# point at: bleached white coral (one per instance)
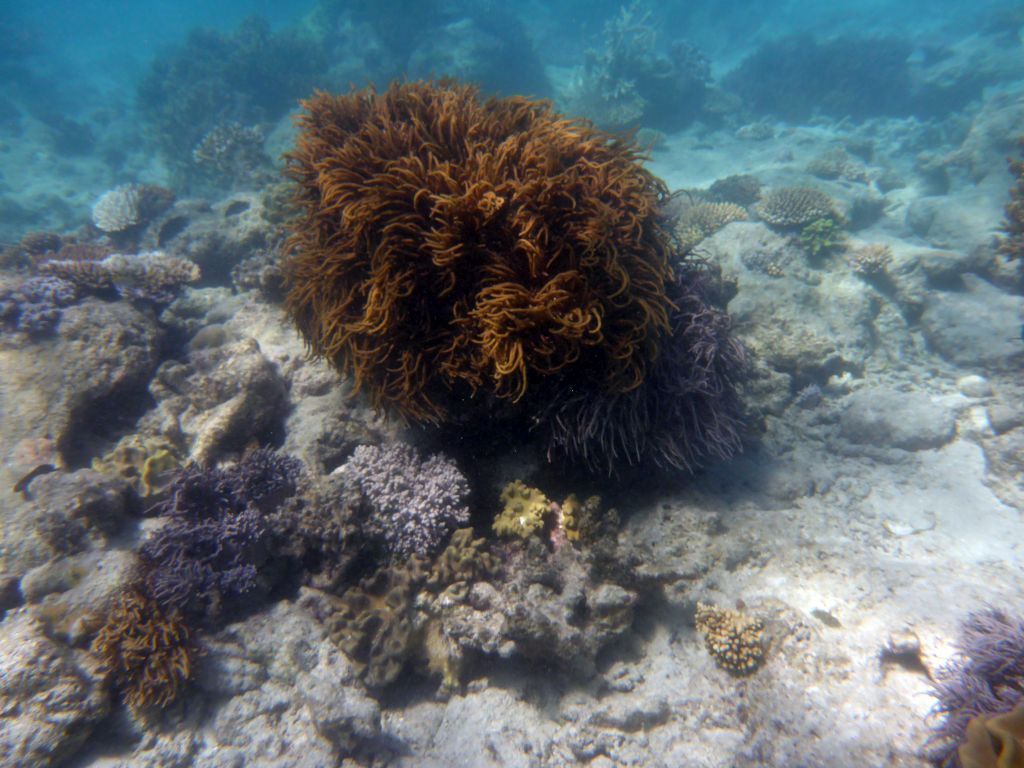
(117, 209)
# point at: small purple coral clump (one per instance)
(209, 557)
(35, 306)
(985, 678)
(415, 503)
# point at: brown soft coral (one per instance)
(149, 651)
(1012, 245)
(452, 247)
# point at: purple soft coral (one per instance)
(201, 566)
(210, 555)
(985, 678)
(415, 503)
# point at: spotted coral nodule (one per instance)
(464, 259)
(735, 642)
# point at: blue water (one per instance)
(75, 74)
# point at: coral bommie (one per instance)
(450, 247)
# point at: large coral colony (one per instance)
(468, 259)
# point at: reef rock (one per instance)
(324, 423)
(962, 223)
(65, 593)
(978, 327)
(1004, 466)
(279, 694)
(219, 400)
(808, 324)
(556, 611)
(65, 514)
(216, 237)
(51, 697)
(93, 370)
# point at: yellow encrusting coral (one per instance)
(735, 641)
(585, 522)
(525, 511)
(150, 652)
(148, 462)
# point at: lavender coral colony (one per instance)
(415, 504)
(35, 306)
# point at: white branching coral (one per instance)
(118, 209)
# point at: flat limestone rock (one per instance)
(977, 327)
(883, 417)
